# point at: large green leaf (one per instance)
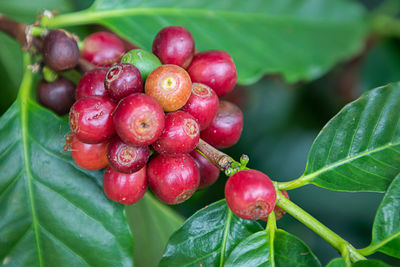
(288, 251)
(152, 224)
(386, 229)
(338, 262)
(52, 213)
(301, 39)
(359, 149)
(207, 237)
(370, 263)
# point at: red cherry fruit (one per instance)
(174, 45)
(89, 156)
(125, 188)
(126, 158)
(250, 195)
(90, 119)
(181, 134)
(102, 49)
(214, 68)
(170, 85)
(208, 172)
(91, 83)
(226, 128)
(123, 79)
(202, 104)
(139, 119)
(173, 179)
(279, 212)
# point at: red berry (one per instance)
(208, 172)
(89, 156)
(57, 96)
(60, 50)
(123, 187)
(126, 158)
(214, 68)
(226, 128)
(250, 195)
(123, 79)
(202, 104)
(173, 179)
(92, 83)
(90, 119)
(279, 212)
(181, 134)
(102, 49)
(170, 85)
(139, 119)
(174, 45)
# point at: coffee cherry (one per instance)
(202, 104)
(125, 188)
(139, 119)
(214, 68)
(250, 194)
(226, 128)
(123, 79)
(145, 61)
(60, 50)
(89, 156)
(174, 45)
(126, 158)
(90, 119)
(170, 85)
(181, 134)
(92, 83)
(279, 212)
(208, 172)
(173, 179)
(102, 49)
(57, 96)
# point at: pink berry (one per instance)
(89, 156)
(202, 104)
(181, 134)
(102, 49)
(125, 188)
(126, 158)
(139, 119)
(208, 172)
(91, 83)
(123, 79)
(174, 45)
(173, 179)
(250, 195)
(90, 119)
(226, 128)
(214, 68)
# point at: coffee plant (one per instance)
(118, 97)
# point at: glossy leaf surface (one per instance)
(52, 212)
(274, 36)
(359, 149)
(207, 237)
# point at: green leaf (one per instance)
(338, 262)
(52, 213)
(370, 263)
(359, 149)
(152, 224)
(288, 251)
(386, 229)
(207, 237)
(301, 39)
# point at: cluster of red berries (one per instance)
(141, 115)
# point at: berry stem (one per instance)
(219, 159)
(14, 29)
(341, 245)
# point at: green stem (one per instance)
(385, 25)
(304, 180)
(271, 228)
(341, 245)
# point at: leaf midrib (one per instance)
(23, 99)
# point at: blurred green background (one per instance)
(281, 121)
